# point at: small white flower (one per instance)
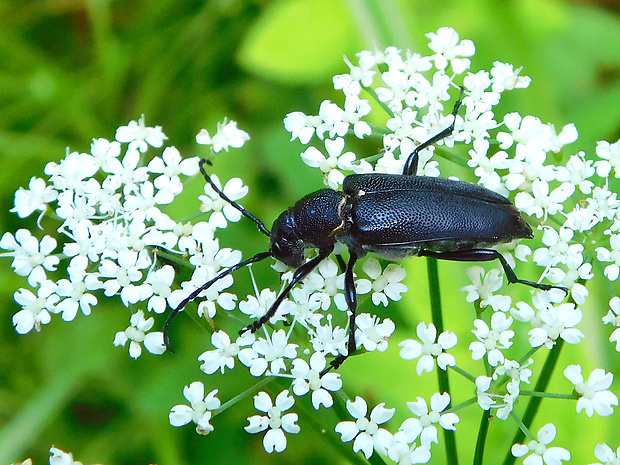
(577, 171)
(328, 339)
(36, 197)
(227, 135)
(429, 350)
(169, 167)
(308, 378)
(159, 284)
(28, 253)
(485, 398)
(539, 451)
(504, 77)
(140, 136)
(483, 289)
(222, 210)
(301, 126)
(518, 373)
(404, 452)
(606, 455)
(372, 334)
(595, 396)
(361, 75)
(559, 247)
(36, 309)
(424, 425)
(225, 352)
(491, 341)
(542, 202)
(137, 333)
(611, 255)
(610, 155)
(557, 322)
(74, 289)
(122, 273)
(366, 432)
(59, 457)
(486, 167)
(275, 422)
(257, 307)
(199, 411)
(268, 353)
(445, 43)
(333, 163)
(387, 283)
(613, 317)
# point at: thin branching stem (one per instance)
(482, 437)
(442, 375)
(534, 403)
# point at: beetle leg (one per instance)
(300, 273)
(411, 165)
(350, 296)
(341, 263)
(256, 258)
(486, 255)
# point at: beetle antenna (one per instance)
(411, 166)
(256, 258)
(261, 226)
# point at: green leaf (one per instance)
(299, 41)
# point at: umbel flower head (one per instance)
(111, 230)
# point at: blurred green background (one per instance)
(73, 70)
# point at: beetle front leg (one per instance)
(487, 255)
(350, 296)
(300, 273)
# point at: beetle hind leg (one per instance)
(487, 255)
(411, 165)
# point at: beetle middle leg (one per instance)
(350, 296)
(411, 165)
(487, 255)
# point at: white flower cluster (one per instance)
(111, 209)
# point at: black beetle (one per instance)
(393, 216)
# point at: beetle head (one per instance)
(286, 245)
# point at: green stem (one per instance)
(482, 437)
(463, 373)
(451, 156)
(248, 392)
(462, 405)
(442, 376)
(383, 105)
(534, 403)
(547, 395)
(524, 430)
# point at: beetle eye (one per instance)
(289, 253)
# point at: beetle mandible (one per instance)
(392, 216)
